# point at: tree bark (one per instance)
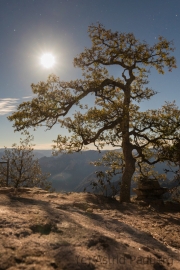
(125, 190)
(129, 170)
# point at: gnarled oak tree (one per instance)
(114, 119)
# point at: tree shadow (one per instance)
(79, 231)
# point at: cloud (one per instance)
(7, 105)
(27, 97)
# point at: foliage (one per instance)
(114, 163)
(172, 152)
(115, 119)
(24, 170)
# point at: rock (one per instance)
(89, 210)
(23, 189)
(5, 190)
(34, 190)
(148, 184)
(149, 188)
(82, 206)
(52, 196)
(176, 195)
(23, 232)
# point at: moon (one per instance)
(47, 60)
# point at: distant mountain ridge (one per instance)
(69, 170)
(38, 153)
(73, 172)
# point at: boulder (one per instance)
(149, 188)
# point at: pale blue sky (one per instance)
(29, 28)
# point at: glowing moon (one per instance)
(47, 60)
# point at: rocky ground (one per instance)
(41, 230)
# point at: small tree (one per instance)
(24, 170)
(114, 163)
(173, 153)
(115, 119)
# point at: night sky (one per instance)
(30, 28)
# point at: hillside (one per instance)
(83, 231)
(37, 153)
(73, 172)
(68, 171)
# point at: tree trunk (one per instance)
(129, 170)
(125, 189)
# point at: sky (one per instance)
(31, 28)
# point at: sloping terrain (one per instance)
(41, 230)
(73, 172)
(69, 170)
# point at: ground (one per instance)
(41, 230)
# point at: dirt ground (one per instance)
(40, 230)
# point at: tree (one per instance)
(115, 119)
(173, 153)
(114, 163)
(24, 170)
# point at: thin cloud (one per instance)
(27, 97)
(7, 105)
